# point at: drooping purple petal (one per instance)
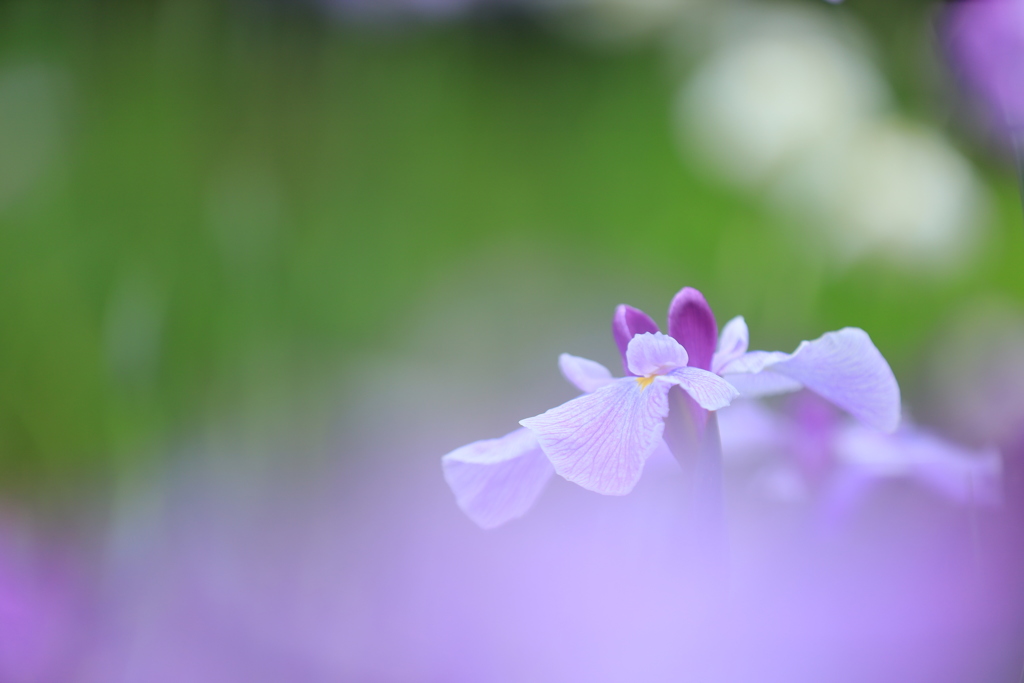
(496, 480)
(654, 354)
(587, 375)
(626, 324)
(710, 391)
(692, 323)
(843, 367)
(846, 368)
(601, 440)
(732, 344)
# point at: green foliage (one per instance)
(232, 199)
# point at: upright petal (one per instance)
(732, 344)
(846, 368)
(692, 323)
(587, 375)
(496, 480)
(654, 354)
(626, 324)
(710, 391)
(601, 440)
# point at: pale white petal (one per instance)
(732, 343)
(846, 368)
(710, 391)
(654, 354)
(496, 480)
(601, 440)
(764, 383)
(587, 375)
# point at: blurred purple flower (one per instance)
(601, 440)
(842, 461)
(367, 575)
(985, 40)
(41, 610)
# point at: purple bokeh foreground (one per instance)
(373, 575)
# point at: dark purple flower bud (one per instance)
(692, 324)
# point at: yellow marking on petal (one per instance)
(645, 382)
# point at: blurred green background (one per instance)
(212, 209)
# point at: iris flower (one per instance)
(602, 439)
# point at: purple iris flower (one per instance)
(985, 39)
(602, 439)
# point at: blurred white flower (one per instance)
(778, 83)
(892, 188)
(790, 102)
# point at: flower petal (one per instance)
(587, 375)
(732, 344)
(753, 361)
(748, 374)
(764, 383)
(692, 323)
(654, 354)
(846, 368)
(496, 480)
(843, 367)
(709, 390)
(601, 440)
(626, 324)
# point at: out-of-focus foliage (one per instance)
(204, 205)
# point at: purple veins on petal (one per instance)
(626, 324)
(586, 375)
(601, 440)
(692, 323)
(496, 480)
(654, 354)
(846, 368)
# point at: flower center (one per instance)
(645, 382)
